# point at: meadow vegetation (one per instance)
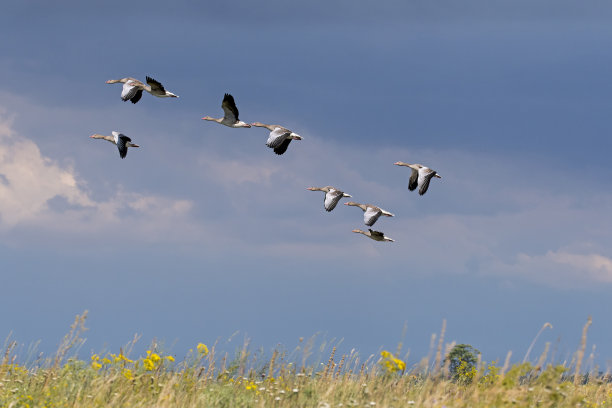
(206, 378)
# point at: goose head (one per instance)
(416, 166)
(412, 166)
(325, 189)
(103, 137)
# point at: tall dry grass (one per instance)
(208, 378)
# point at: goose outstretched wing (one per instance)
(425, 176)
(332, 198)
(371, 215)
(129, 91)
(156, 86)
(229, 108)
(413, 181)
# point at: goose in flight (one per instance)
(375, 235)
(132, 89)
(420, 177)
(332, 196)
(370, 212)
(119, 139)
(279, 138)
(230, 117)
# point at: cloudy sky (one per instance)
(203, 231)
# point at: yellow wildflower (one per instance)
(390, 363)
(202, 349)
(155, 357)
(95, 357)
(169, 358)
(149, 365)
(106, 360)
(127, 374)
(121, 357)
(400, 364)
(95, 365)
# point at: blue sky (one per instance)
(203, 231)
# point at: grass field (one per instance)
(287, 379)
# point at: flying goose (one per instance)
(375, 235)
(332, 196)
(370, 212)
(132, 89)
(279, 138)
(121, 140)
(230, 117)
(420, 177)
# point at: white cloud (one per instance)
(236, 172)
(562, 268)
(598, 266)
(31, 185)
(30, 180)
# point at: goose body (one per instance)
(133, 88)
(375, 235)
(371, 213)
(279, 137)
(420, 176)
(332, 196)
(230, 117)
(119, 139)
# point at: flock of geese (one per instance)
(278, 140)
